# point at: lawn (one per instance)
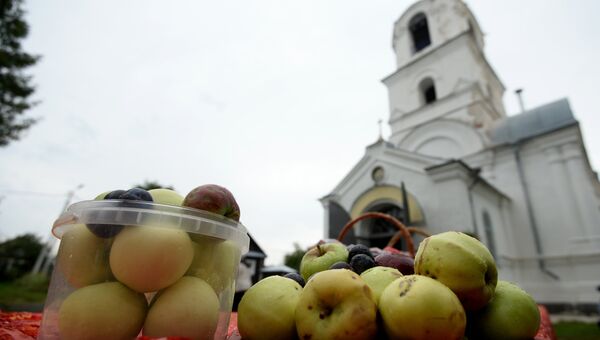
(26, 292)
(572, 330)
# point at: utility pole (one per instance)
(44, 256)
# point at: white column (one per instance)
(581, 186)
(567, 212)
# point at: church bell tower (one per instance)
(444, 96)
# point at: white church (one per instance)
(522, 184)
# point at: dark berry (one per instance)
(296, 277)
(361, 262)
(114, 195)
(356, 249)
(136, 194)
(105, 230)
(340, 265)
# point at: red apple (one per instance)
(213, 198)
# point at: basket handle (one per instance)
(402, 229)
(398, 235)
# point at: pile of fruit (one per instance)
(451, 292)
(113, 281)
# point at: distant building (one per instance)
(522, 184)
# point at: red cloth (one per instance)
(25, 326)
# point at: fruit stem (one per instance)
(321, 252)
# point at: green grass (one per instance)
(572, 330)
(26, 290)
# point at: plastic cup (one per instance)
(130, 268)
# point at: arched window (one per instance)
(419, 32)
(489, 232)
(427, 89)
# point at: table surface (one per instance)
(25, 326)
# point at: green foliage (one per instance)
(18, 255)
(34, 282)
(571, 330)
(149, 185)
(11, 293)
(294, 258)
(15, 86)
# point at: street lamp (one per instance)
(43, 257)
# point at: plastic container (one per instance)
(130, 268)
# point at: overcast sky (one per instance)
(275, 100)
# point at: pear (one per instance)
(460, 262)
(512, 314)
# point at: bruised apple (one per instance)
(418, 307)
(336, 304)
(460, 262)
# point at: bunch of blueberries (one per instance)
(110, 230)
(360, 259)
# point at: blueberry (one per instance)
(356, 249)
(361, 262)
(340, 265)
(296, 277)
(136, 194)
(105, 230)
(114, 195)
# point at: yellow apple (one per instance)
(378, 278)
(83, 257)
(106, 310)
(267, 309)
(148, 259)
(215, 261)
(512, 314)
(189, 308)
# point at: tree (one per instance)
(18, 255)
(294, 258)
(15, 86)
(149, 185)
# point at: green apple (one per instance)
(460, 262)
(418, 307)
(148, 259)
(106, 310)
(215, 261)
(512, 314)
(166, 196)
(378, 278)
(267, 309)
(336, 304)
(83, 257)
(189, 308)
(321, 257)
(101, 196)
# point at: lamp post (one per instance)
(43, 257)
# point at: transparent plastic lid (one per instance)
(116, 213)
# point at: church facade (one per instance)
(521, 184)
